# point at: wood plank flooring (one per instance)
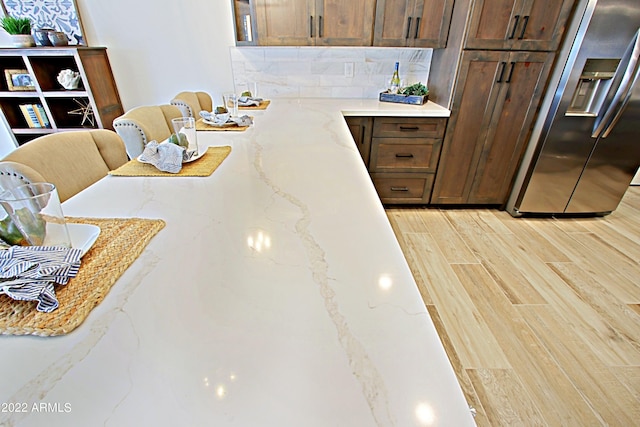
(540, 317)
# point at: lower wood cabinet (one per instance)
(403, 188)
(495, 100)
(361, 128)
(401, 155)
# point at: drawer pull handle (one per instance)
(404, 155)
(409, 128)
(399, 188)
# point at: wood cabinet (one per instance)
(94, 104)
(417, 23)
(361, 128)
(517, 24)
(314, 22)
(404, 157)
(401, 154)
(495, 100)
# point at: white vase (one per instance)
(23, 40)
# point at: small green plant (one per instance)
(13, 25)
(416, 89)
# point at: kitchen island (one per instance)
(276, 295)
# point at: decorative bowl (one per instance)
(58, 38)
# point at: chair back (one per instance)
(71, 161)
(144, 124)
(191, 103)
(14, 174)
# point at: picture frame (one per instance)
(19, 80)
(60, 15)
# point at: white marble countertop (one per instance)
(276, 295)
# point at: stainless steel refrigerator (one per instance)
(587, 146)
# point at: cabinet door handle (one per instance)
(320, 27)
(415, 36)
(513, 65)
(408, 27)
(501, 75)
(404, 155)
(311, 26)
(524, 27)
(515, 26)
(409, 128)
(399, 188)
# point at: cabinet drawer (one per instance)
(404, 154)
(409, 127)
(403, 188)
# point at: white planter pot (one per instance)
(22, 40)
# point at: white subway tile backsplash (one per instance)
(310, 72)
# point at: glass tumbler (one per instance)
(231, 102)
(187, 127)
(33, 216)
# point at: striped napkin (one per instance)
(28, 273)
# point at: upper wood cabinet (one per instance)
(517, 24)
(417, 23)
(314, 22)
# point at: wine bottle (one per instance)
(395, 80)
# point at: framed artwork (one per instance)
(19, 80)
(61, 15)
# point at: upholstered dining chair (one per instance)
(144, 124)
(71, 161)
(191, 103)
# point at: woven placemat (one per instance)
(121, 241)
(204, 166)
(263, 106)
(201, 125)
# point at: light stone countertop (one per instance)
(276, 295)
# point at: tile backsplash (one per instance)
(319, 72)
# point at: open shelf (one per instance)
(63, 109)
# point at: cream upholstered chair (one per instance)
(191, 103)
(71, 161)
(144, 124)
(14, 174)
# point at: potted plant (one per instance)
(19, 29)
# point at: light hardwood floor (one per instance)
(540, 317)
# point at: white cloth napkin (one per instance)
(165, 156)
(28, 273)
(247, 101)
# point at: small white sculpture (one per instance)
(69, 79)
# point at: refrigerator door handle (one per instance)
(607, 119)
(624, 102)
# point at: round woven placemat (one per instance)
(121, 241)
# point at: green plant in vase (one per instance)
(19, 29)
